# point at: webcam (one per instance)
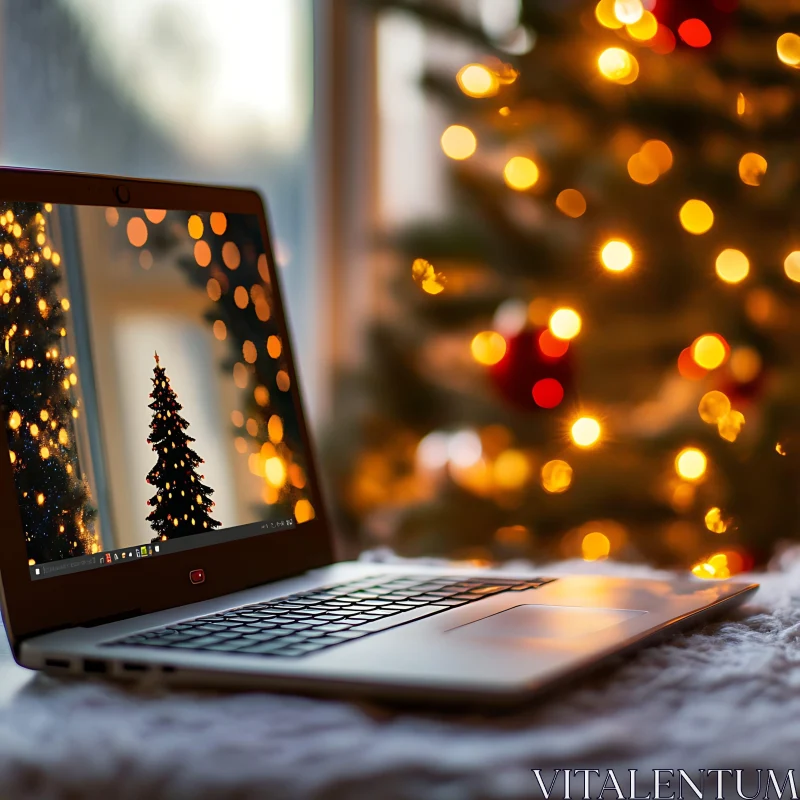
(123, 193)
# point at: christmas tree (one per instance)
(182, 504)
(596, 354)
(37, 380)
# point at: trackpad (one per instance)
(546, 622)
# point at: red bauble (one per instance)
(696, 23)
(536, 373)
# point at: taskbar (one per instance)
(155, 548)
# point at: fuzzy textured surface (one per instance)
(727, 695)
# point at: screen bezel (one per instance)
(149, 585)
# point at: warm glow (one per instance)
(230, 255)
(202, 253)
(511, 470)
(628, 12)
(476, 80)
(275, 429)
(40, 499)
(155, 215)
(657, 153)
(714, 406)
(616, 255)
(696, 216)
(282, 380)
(547, 393)
(595, 546)
(714, 521)
(249, 352)
(551, 347)
(488, 347)
(745, 364)
(691, 464)
(604, 12)
(618, 65)
(694, 32)
(218, 223)
(213, 289)
(458, 142)
(730, 426)
(556, 476)
(585, 431)
(137, 231)
(732, 266)
(788, 47)
(709, 351)
(220, 330)
(44, 452)
(642, 170)
(752, 168)
(274, 347)
(791, 266)
(240, 297)
(112, 216)
(520, 173)
(303, 511)
(565, 323)
(14, 420)
(645, 29)
(572, 203)
(275, 471)
(195, 226)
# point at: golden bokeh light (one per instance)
(714, 406)
(691, 464)
(303, 511)
(642, 170)
(195, 226)
(202, 253)
(696, 217)
(213, 289)
(604, 13)
(488, 347)
(788, 47)
(220, 330)
(595, 546)
(231, 256)
(565, 323)
(112, 217)
(752, 168)
(791, 266)
(657, 153)
(645, 29)
(520, 173)
(137, 231)
(511, 470)
(261, 396)
(709, 352)
(426, 277)
(714, 521)
(616, 255)
(275, 429)
(14, 420)
(585, 431)
(477, 80)
(458, 142)
(617, 65)
(249, 352)
(274, 347)
(282, 380)
(730, 426)
(745, 364)
(571, 202)
(556, 476)
(732, 266)
(240, 297)
(219, 222)
(628, 12)
(155, 215)
(275, 471)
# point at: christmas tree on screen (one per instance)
(596, 352)
(181, 505)
(37, 376)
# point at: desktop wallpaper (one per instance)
(143, 378)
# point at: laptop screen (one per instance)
(144, 384)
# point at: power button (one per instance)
(197, 576)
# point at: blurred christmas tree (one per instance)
(37, 376)
(598, 353)
(182, 505)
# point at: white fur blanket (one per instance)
(724, 696)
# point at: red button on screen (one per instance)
(197, 576)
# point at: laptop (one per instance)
(160, 503)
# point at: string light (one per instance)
(616, 255)
(488, 348)
(691, 464)
(732, 266)
(477, 80)
(520, 173)
(696, 216)
(585, 431)
(565, 323)
(458, 142)
(556, 476)
(617, 65)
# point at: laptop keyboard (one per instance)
(308, 622)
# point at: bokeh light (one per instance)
(691, 464)
(202, 253)
(547, 393)
(605, 15)
(155, 215)
(458, 142)
(752, 168)
(520, 173)
(714, 521)
(695, 32)
(488, 347)
(595, 546)
(617, 65)
(137, 231)
(565, 323)
(585, 431)
(551, 347)
(628, 12)
(714, 406)
(195, 226)
(642, 170)
(616, 255)
(571, 202)
(696, 216)
(709, 351)
(788, 47)
(645, 29)
(219, 222)
(556, 476)
(791, 266)
(745, 364)
(511, 470)
(732, 266)
(477, 80)
(730, 426)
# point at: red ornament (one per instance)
(696, 23)
(536, 373)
